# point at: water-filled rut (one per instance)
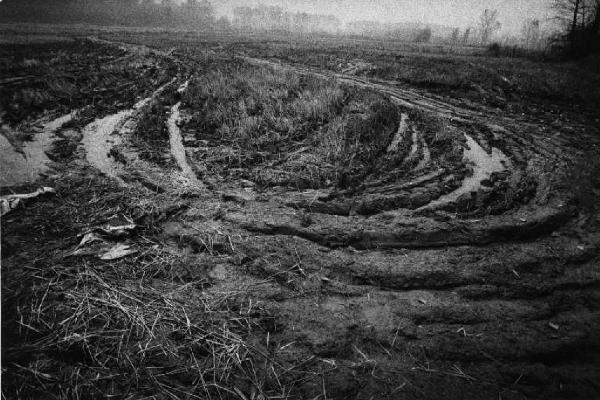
(19, 167)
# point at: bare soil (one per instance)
(389, 243)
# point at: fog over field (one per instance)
(452, 14)
(300, 199)
(460, 13)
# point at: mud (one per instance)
(176, 142)
(459, 267)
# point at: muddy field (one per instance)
(229, 224)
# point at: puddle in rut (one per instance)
(22, 167)
(98, 139)
(176, 142)
(484, 165)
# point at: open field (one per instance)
(319, 218)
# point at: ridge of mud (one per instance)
(378, 233)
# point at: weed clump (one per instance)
(280, 128)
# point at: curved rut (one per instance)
(176, 142)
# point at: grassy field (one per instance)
(474, 74)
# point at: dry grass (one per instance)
(127, 336)
(461, 73)
(81, 328)
(290, 129)
(582, 180)
(64, 76)
(151, 134)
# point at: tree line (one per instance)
(191, 13)
(580, 20)
(274, 18)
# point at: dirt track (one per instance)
(468, 277)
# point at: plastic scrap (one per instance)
(118, 251)
(12, 201)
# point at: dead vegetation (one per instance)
(151, 135)
(65, 76)
(74, 327)
(286, 129)
(512, 84)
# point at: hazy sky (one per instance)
(460, 13)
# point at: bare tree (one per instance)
(531, 32)
(466, 36)
(581, 23)
(455, 35)
(423, 36)
(488, 25)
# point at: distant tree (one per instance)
(223, 23)
(488, 25)
(531, 32)
(581, 24)
(466, 35)
(167, 12)
(423, 36)
(455, 35)
(191, 13)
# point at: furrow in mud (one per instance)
(99, 138)
(484, 165)
(499, 271)
(376, 233)
(104, 134)
(487, 178)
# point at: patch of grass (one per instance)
(79, 327)
(456, 72)
(582, 180)
(151, 134)
(288, 129)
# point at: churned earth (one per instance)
(297, 233)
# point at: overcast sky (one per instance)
(461, 13)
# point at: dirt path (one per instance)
(177, 148)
